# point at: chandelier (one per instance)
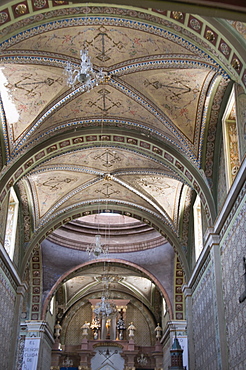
(84, 75)
(104, 308)
(97, 249)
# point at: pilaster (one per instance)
(219, 305)
(38, 344)
(21, 289)
(188, 300)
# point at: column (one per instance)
(38, 344)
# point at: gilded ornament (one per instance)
(156, 150)
(128, 214)
(131, 141)
(21, 9)
(235, 64)
(78, 140)
(105, 138)
(10, 183)
(49, 232)
(146, 221)
(59, 2)
(86, 213)
(29, 163)
(107, 177)
(209, 35)
(51, 149)
(177, 15)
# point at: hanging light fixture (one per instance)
(105, 308)
(85, 75)
(97, 249)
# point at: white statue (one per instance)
(85, 328)
(131, 328)
(58, 329)
(158, 331)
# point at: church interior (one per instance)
(122, 185)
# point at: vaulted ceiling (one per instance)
(140, 144)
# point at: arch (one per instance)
(154, 149)
(148, 218)
(132, 265)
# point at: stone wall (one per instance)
(7, 304)
(232, 252)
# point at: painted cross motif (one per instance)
(176, 88)
(104, 45)
(243, 295)
(104, 102)
(108, 158)
(31, 85)
(107, 190)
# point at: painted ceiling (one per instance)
(141, 143)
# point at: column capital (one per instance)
(37, 329)
(21, 289)
(187, 291)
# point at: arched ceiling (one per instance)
(137, 143)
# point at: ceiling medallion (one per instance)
(85, 75)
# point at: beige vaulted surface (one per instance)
(125, 159)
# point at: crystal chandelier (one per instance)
(104, 308)
(85, 75)
(97, 249)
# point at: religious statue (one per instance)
(95, 326)
(120, 325)
(131, 328)
(58, 329)
(85, 328)
(158, 331)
